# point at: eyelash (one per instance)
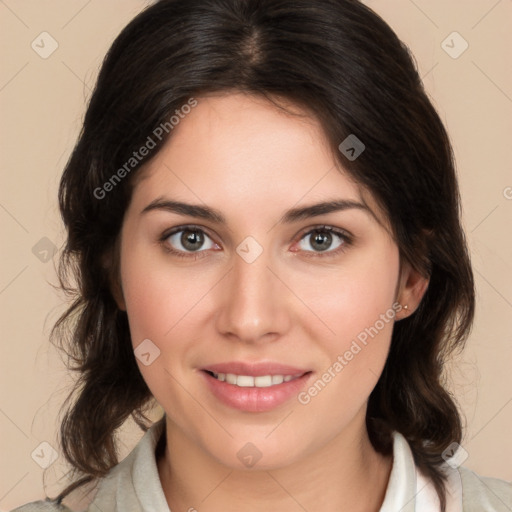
(343, 235)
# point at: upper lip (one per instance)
(254, 369)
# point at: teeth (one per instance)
(230, 378)
(277, 379)
(264, 381)
(247, 381)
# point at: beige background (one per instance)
(42, 103)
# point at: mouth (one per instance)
(254, 387)
(249, 381)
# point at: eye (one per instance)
(191, 241)
(325, 239)
(187, 240)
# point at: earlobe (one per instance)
(413, 287)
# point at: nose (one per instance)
(254, 302)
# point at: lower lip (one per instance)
(255, 399)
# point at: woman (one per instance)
(263, 221)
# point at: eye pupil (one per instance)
(323, 239)
(191, 239)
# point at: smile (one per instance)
(248, 381)
(255, 393)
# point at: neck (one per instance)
(335, 477)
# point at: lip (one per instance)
(253, 399)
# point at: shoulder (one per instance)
(42, 506)
(483, 493)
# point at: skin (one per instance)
(294, 304)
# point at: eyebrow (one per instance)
(290, 216)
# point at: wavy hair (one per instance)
(341, 62)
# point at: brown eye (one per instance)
(191, 240)
(188, 240)
(324, 240)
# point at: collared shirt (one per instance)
(134, 485)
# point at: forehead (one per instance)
(236, 131)
(241, 150)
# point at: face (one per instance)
(292, 307)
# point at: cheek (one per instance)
(165, 305)
(158, 297)
(150, 306)
(159, 303)
(354, 305)
(352, 298)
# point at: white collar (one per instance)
(134, 484)
(410, 490)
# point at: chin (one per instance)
(257, 452)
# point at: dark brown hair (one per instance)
(334, 58)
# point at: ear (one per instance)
(117, 293)
(111, 262)
(411, 289)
